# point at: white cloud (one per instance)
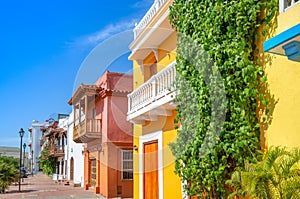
(143, 4)
(95, 38)
(110, 30)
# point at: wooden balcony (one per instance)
(57, 151)
(87, 130)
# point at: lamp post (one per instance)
(24, 147)
(31, 162)
(21, 132)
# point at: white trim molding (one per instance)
(158, 135)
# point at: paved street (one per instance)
(41, 186)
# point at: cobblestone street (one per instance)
(41, 186)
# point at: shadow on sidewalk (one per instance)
(17, 191)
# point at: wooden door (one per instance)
(92, 172)
(72, 169)
(151, 170)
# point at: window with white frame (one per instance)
(127, 165)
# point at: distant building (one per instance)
(34, 144)
(55, 140)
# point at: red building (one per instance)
(100, 122)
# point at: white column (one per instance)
(282, 4)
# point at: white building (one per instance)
(58, 147)
(74, 156)
(34, 144)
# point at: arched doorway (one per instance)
(72, 169)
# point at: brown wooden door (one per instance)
(151, 170)
(72, 169)
(92, 172)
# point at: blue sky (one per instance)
(43, 46)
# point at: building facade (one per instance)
(100, 123)
(151, 105)
(55, 138)
(34, 144)
(283, 76)
(54, 145)
(75, 156)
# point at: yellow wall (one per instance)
(138, 77)
(172, 184)
(137, 130)
(284, 85)
(288, 19)
(166, 56)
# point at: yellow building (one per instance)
(151, 107)
(283, 74)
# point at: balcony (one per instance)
(57, 151)
(148, 17)
(152, 31)
(87, 130)
(286, 4)
(153, 98)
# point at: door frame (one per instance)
(158, 135)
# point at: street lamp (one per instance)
(24, 146)
(21, 132)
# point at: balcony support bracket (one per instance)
(155, 52)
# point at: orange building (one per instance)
(100, 122)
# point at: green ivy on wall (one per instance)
(47, 162)
(220, 81)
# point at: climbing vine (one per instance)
(220, 79)
(46, 161)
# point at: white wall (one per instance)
(35, 144)
(75, 150)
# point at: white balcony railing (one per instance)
(148, 16)
(286, 4)
(154, 89)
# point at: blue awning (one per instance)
(286, 43)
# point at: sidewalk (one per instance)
(41, 186)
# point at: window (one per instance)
(127, 165)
